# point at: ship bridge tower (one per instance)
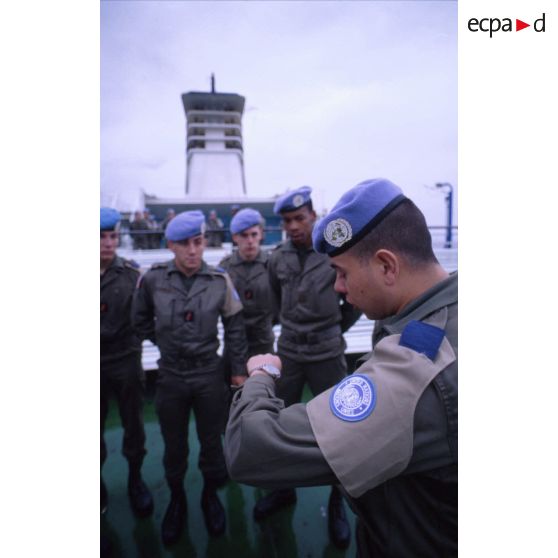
(214, 152)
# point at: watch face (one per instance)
(271, 370)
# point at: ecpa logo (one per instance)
(494, 24)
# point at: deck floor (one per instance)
(299, 531)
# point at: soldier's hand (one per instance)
(237, 381)
(258, 360)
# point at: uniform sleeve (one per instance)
(270, 446)
(349, 315)
(235, 343)
(142, 311)
(235, 332)
(275, 289)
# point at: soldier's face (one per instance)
(109, 243)
(248, 242)
(299, 224)
(188, 253)
(363, 284)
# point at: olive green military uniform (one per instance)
(121, 370)
(180, 315)
(313, 318)
(251, 280)
(398, 465)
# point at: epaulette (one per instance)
(217, 268)
(225, 260)
(132, 264)
(422, 338)
(160, 265)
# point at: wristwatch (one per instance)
(273, 371)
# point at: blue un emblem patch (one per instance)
(354, 398)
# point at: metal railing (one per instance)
(358, 337)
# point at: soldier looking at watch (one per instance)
(388, 432)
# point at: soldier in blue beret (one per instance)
(121, 371)
(388, 432)
(247, 267)
(177, 306)
(313, 319)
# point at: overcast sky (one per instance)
(336, 92)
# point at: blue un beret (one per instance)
(109, 218)
(185, 225)
(291, 201)
(244, 219)
(356, 213)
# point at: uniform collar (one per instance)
(290, 247)
(439, 296)
(116, 264)
(237, 260)
(203, 270)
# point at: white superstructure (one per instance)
(214, 151)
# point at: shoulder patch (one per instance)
(422, 338)
(354, 398)
(219, 269)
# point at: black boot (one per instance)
(338, 526)
(273, 502)
(104, 497)
(173, 522)
(213, 511)
(139, 495)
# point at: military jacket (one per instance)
(312, 315)
(183, 323)
(117, 288)
(251, 280)
(398, 463)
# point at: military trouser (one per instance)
(202, 390)
(320, 376)
(123, 378)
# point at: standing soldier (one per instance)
(121, 370)
(177, 306)
(388, 432)
(311, 346)
(247, 268)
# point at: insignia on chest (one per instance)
(104, 307)
(188, 316)
(248, 294)
(354, 398)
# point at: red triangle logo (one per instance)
(519, 25)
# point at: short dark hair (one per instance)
(403, 231)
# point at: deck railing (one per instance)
(358, 337)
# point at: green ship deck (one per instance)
(296, 532)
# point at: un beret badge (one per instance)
(298, 200)
(338, 232)
(354, 398)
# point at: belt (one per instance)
(189, 363)
(311, 337)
